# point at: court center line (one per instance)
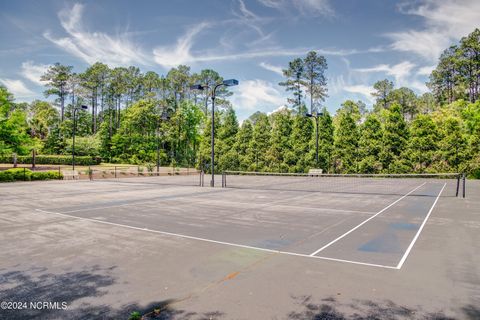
(217, 242)
(405, 256)
(365, 221)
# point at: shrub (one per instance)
(21, 174)
(53, 159)
(135, 315)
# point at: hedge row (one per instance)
(21, 174)
(53, 159)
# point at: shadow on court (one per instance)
(329, 309)
(37, 285)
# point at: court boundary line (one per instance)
(410, 247)
(365, 221)
(218, 242)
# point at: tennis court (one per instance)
(372, 220)
(260, 247)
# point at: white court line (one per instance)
(218, 242)
(402, 261)
(362, 223)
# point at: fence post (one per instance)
(464, 185)
(115, 171)
(138, 171)
(24, 174)
(458, 184)
(90, 173)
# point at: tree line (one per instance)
(134, 116)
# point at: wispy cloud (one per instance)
(446, 22)
(425, 71)
(304, 7)
(400, 71)
(364, 90)
(33, 72)
(94, 46)
(257, 94)
(180, 53)
(269, 67)
(18, 88)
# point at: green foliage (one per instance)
(135, 315)
(23, 174)
(423, 143)
(346, 144)
(52, 159)
(300, 158)
(370, 145)
(84, 146)
(394, 140)
(259, 144)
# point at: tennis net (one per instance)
(451, 184)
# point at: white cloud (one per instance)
(446, 21)
(257, 94)
(361, 89)
(94, 46)
(171, 56)
(425, 71)
(400, 71)
(18, 88)
(269, 67)
(33, 72)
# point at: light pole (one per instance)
(75, 109)
(226, 83)
(316, 116)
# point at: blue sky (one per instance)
(250, 40)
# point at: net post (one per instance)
(459, 176)
(115, 171)
(223, 179)
(463, 182)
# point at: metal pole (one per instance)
(212, 182)
(316, 141)
(464, 185)
(73, 142)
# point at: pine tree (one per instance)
(294, 82)
(260, 143)
(300, 159)
(394, 140)
(314, 67)
(280, 141)
(370, 145)
(346, 144)
(56, 78)
(242, 145)
(422, 145)
(227, 159)
(325, 141)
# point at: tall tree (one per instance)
(56, 78)
(294, 81)
(326, 140)
(260, 143)
(346, 144)
(280, 140)
(301, 157)
(242, 145)
(370, 145)
(395, 136)
(314, 67)
(422, 145)
(382, 92)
